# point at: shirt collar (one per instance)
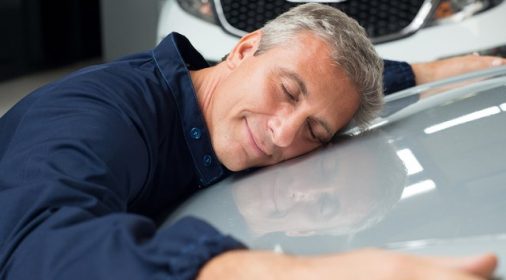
(174, 57)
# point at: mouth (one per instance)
(253, 143)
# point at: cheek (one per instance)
(261, 89)
(250, 96)
(228, 102)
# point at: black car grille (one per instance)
(380, 18)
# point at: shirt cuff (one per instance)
(200, 242)
(397, 76)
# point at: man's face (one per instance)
(279, 104)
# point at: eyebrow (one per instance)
(295, 77)
(303, 89)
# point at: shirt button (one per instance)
(207, 160)
(195, 133)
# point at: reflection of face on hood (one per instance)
(340, 189)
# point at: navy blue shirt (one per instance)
(88, 163)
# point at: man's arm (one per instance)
(445, 68)
(398, 75)
(69, 169)
(361, 264)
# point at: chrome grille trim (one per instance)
(420, 20)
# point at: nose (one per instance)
(285, 127)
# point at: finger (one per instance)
(486, 61)
(482, 266)
(498, 62)
(464, 64)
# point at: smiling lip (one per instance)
(253, 142)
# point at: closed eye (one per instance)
(312, 133)
(288, 94)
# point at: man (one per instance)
(89, 162)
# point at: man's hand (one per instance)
(445, 68)
(363, 264)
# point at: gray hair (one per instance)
(351, 50)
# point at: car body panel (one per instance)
(429, 178)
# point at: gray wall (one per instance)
(128, 26)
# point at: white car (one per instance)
(408, 30)
(428, 178)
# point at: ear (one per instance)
(246, 47)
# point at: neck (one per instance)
(205, 82)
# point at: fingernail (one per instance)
(497, 62)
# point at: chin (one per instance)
(233, 162)
(237, 165)
(234, 168)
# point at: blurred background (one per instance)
(43, 40)
(47, 34)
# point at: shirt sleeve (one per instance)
(397, 75)
(71, 169)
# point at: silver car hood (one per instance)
(430, 177)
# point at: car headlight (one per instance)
(457, 10)
(199, 8)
